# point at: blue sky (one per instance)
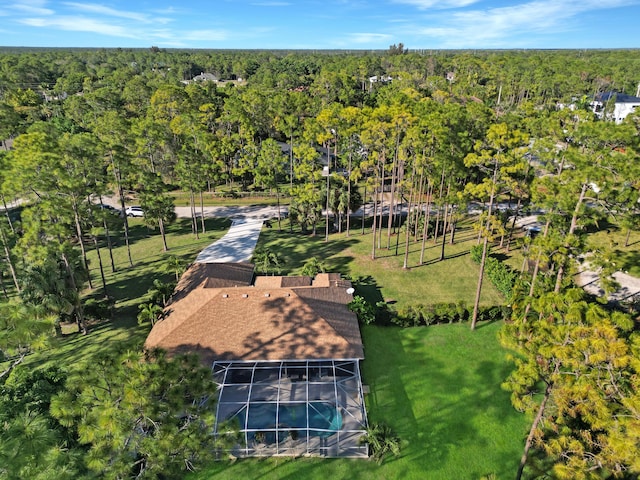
(321, 24)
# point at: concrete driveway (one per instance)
(237, 245)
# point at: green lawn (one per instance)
(613, 239)
(450, 280)
(439, 388)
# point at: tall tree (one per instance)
(141, 416)
(500, 155)
(575, 375)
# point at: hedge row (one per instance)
(419, 314)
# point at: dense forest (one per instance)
(435, 131)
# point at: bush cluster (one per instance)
(502, 277)
(419, 314)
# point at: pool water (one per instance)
(324, 418)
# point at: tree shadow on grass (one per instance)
(368, 288)
(438, 409)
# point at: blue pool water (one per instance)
(322, 416)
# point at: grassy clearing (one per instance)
(439, 388)
(436, 281)
(613, 239)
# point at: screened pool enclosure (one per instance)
(292, 408)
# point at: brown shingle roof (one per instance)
(286, 282)
(260, 323)
(215, 275)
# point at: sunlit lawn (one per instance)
(439, 388)
(453, 279)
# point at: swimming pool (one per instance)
(324, 419)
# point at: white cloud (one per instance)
(437, 4)
(496, 27)
(110, 12)
(79, 24)
(369, 37)
(31, 8)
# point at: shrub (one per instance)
(502, 277)
(365, 312)
(419, 314)
(382, 441)
(98, 309)
(476, 253)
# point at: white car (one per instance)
(134, 211)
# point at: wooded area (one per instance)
(418, 139)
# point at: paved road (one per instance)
(629, 286)
(238, 244)
(243, 212)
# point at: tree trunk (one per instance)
(125, 221)
(436, 233)
(513, 224)
(476, 303)
(412, 195)
(373, 225)
(194, 219)
(81, 241)
(532, 431)
(392, 199)
(364, 207)
(572, 228)
(108, 237)
(204, 229)
(80, 320)
(104, 282)
(278, 203)
(425, 226)
(349, 190)
(444, 224)
(7, 256)
(4, 288)
(164, 237)
(381, 209)
(6, 212)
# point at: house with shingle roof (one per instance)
(285, 353)
(614, 105)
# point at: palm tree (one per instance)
(175, 265)
(382, 441)
(149, 312)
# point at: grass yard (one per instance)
(614, 240)
(439, 388)
(450, 280)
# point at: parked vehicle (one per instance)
(134, 211)
(109, 208)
